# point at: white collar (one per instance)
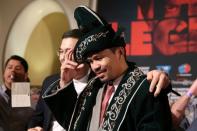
(80, 84)
(4, 88)
(116, 82)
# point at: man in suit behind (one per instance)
(43, 116)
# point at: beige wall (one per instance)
(9, 9)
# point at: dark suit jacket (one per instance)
(13, 118)
(43, 116)
(4, 111)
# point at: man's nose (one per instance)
(63, 57)
(95, 66)
(13, 70)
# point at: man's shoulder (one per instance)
(135, 73)
(49, 80)
(2, 91)
(2, 88)
(52, 77)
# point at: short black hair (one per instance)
(18, 58)
(74, 33)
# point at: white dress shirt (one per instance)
(80, 84)
(56, 126)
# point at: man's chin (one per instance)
(10, 81)
(103, 79)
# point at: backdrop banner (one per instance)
(160, 34)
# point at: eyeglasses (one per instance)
(62, 51)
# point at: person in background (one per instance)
(35, 95)
(86, 112)
(13, 118)
(179, 108)
(43, 118)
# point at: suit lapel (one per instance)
(123, 96)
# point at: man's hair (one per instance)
(115, 48)
(75, 33)
(18, 58)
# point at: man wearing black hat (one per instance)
(128, 105)
(131, 106)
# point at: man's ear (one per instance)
(122, 51)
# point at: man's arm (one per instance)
(62, 103)
(178, 108)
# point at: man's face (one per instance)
(14, 72)
(176, 31)
(105, 64)
(66, 54)
(66, 45)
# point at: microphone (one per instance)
(12, 77)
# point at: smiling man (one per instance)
(120, 90)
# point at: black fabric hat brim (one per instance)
(98, 34)
(95, 41)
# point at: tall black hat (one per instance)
(98, 34)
